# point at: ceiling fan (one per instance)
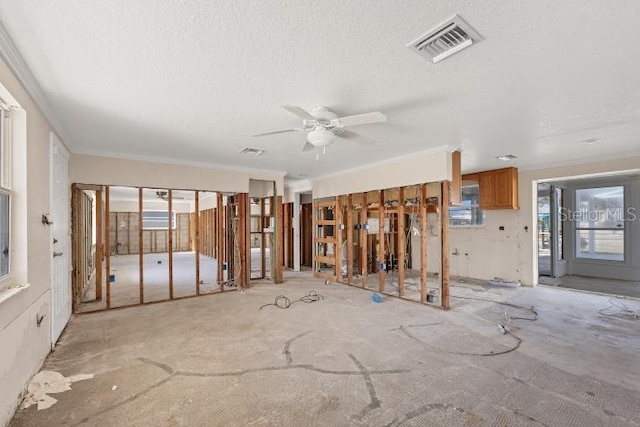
(323, 126)
(164, 195)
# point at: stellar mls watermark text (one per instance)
(617, 215)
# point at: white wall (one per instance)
(23, 345)
(487, 252)
(87, 169)
(408, 171)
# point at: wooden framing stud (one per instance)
(381, 247)
(401, 242)
(197, 239)
(141, 242)
(423, 243)
(170, 241)
(349, 228)
(444, 242)
(107, 245)
(364, 233)
(99, 243)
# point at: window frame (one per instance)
(472, 206)
(5, 188)
(577, 228)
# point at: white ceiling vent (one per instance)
(445, 40)
(251, 150)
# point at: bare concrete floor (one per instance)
(345, 360)
(606, 286)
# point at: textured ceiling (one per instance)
(192, 81)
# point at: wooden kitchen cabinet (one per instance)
(499, 189)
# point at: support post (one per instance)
(99, 243)
(141, 244)
(381, 249)
(364, 256)
(107, 245)
(337, 215)
(349, 228)
(423, 243)
(197, 240)
(444, 242)
(402, 245)
(170, 242)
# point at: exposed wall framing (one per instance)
(220, 233)
(392, 241)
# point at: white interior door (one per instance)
(60, 239)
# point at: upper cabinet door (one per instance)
(499, 189)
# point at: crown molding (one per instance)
(22, 72)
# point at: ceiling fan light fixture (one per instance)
(321, 137)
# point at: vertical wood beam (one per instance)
(140, 244)
(455, 197)
(402, 244)
(349, 228)
(77, 261)
(170, 243)
(381, 249)
(116, 227)
(107, 245)
(444, 242)
(197, 240)
(337, 250)
(277, 210)
(220, 235)
(99, 243)
(262, 237)
(423, 243)
(242, 237)
(364, 256)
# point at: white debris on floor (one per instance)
(49, 382)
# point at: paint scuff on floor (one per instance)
(49, 382)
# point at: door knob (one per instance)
(55, 254)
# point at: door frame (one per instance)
(56, 145)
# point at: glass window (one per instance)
(469, 214)
(5, 195)
(4, 234)
(600, 223)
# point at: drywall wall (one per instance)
(89, 169)
(487, 252)
(24, 345)
(417, 169)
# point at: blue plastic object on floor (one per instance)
(376, 297)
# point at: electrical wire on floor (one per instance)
(618, 309)
(502, 327)
(531, 309)
(283, 302)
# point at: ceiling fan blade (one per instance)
(278, 131)
(298, 112)
(356, 137)
(308, 146)
(363, 119)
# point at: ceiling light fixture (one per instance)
(320, 137)
(507, 157)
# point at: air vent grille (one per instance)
(445, 40)
(251, 150)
